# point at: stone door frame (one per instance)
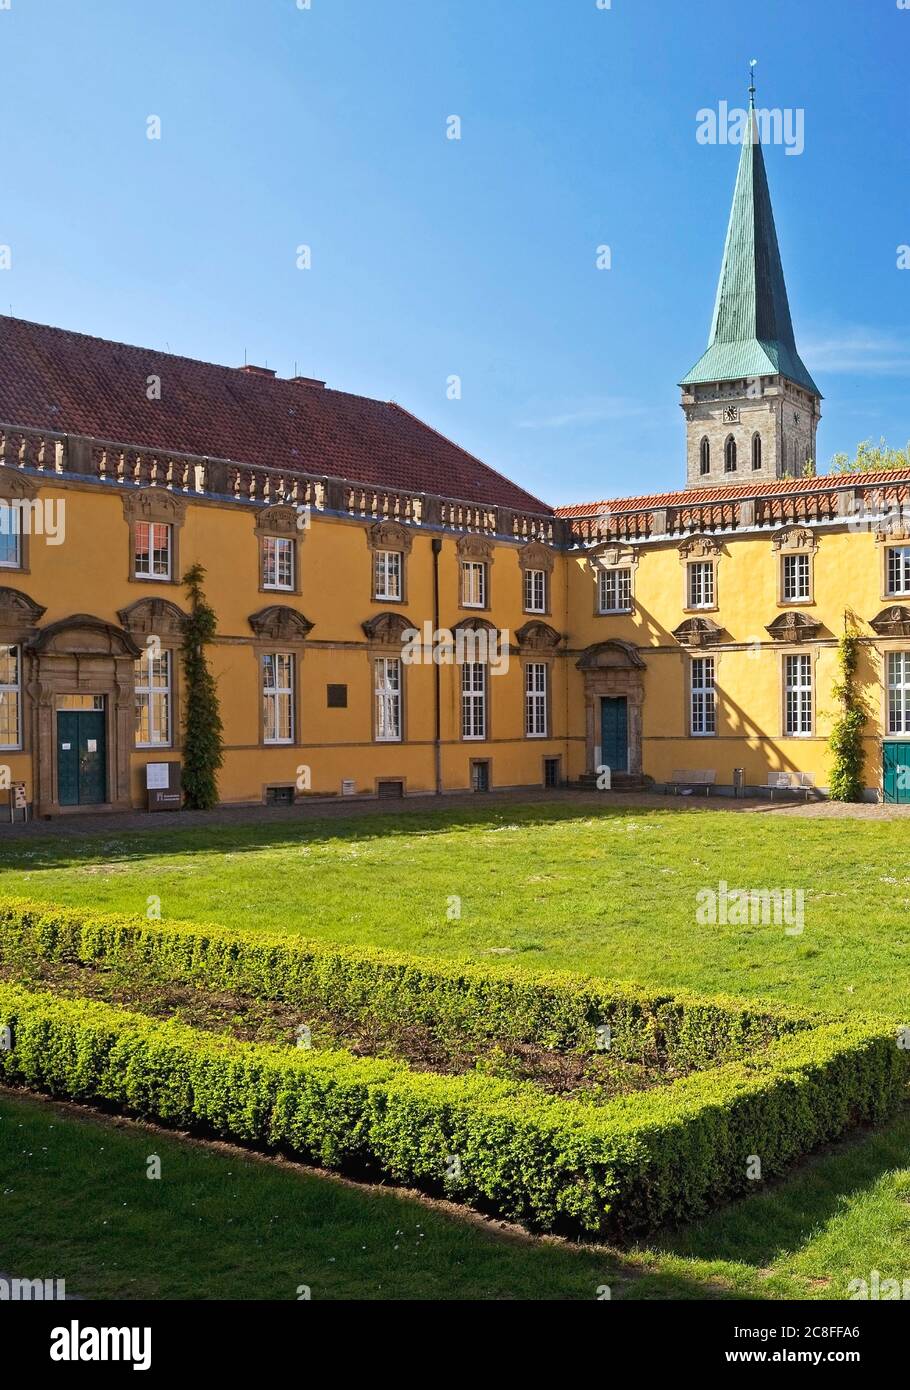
(613, 669)
(82, 655)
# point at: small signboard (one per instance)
(18, 802)
(162, 785)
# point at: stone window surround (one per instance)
(159, 618)
(480, 551)
(794, 540)
(700, 549)
(536, 556)
(793, 650)
(385, 635)
(16, 488)
(278, 522)
(156, 505)
(612, 556)
(389, 535)
(887, 537)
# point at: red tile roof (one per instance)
(700, 496)
(75, 384)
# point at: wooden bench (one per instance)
(692, 777)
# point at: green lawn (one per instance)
(75, 1202)
(609, 892)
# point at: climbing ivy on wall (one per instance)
(203, 753)
(846, 741)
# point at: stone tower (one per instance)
(751, 407)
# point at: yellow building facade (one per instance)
(395, 618)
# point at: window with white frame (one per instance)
(797, 695)
(899, 692)
(473, 584)
(474, 700)
(796, 578)
(10, 538)
(153, 698)
(278, 697)
(700, 579)
(152, 550)
(703, 697)
(898, 575)
(615, 590)
(387, 672)
(536, 699)
(10, 697)
(535, 591)
(277, 562)
(387, 572)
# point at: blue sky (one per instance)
(283, 126)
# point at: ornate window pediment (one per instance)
(153, 615)
(278, 623)
(475, 548)
(611, 555)
(892, 622)
(16, 486)
(475, 625)
(387, 629)
(538, 637)
(536, 556)
(18, 610)
(389, 535)
(795, 540)
(698, 632)
(700, 548)
(794, 627)
(83, 634)
(154, 504)
(278, 520)
(610, 655)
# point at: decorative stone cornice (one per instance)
(389, 535)
(535, 556)
(154, 504)
(387, 629)
(536, 636)
(892, 622)
(700, 548)
(698, 632)
(471, 547)
(794, 627)
(278, 520)
(795, 540)
(613, 653)
(153, 615)
(18, 609)
(84, 634)
(613, 555)
(278, 623)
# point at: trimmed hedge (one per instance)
(456, 1001)
(642, 1160)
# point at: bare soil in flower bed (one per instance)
(594, 1077)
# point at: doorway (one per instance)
(81, 757)
(614, 733)
(896, 772)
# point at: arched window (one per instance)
(730, 455)
(705, 463)
(756, 451)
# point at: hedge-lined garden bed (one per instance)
(772, 1086)
(457, 1003)
(659, 1156)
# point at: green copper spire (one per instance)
(751, 332)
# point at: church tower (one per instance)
(751, 407)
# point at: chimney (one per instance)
(256, 371)
(308, 381)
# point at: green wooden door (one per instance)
(81, 758)
(896, 766)
(614, 734)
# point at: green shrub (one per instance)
(457, 1002)
(643, 1160)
